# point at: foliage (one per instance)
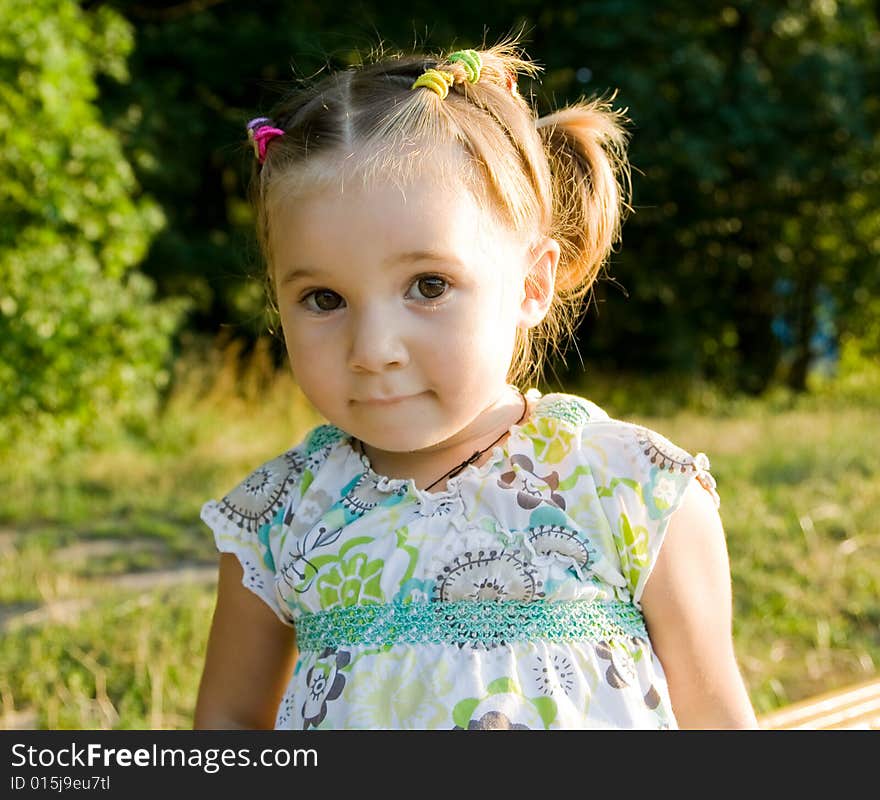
(81, 340)
(858, 372)
(753, 128)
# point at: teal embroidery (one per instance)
(321, 437)
(468, 622)
(571, 410)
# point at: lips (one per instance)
(384, 400)
(381, 401)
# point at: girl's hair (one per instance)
(564, 175)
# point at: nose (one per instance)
(377, 341)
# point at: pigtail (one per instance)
(585, 146)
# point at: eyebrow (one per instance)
(401, 258)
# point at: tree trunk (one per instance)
(804, 327)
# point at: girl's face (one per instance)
(411, 293)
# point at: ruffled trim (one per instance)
(255, 575)
(221, 524)
(698, 469)
(394, 485)
(706, 479)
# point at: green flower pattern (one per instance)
(577, 510)
(552, 439)
(397, 693)
(352, 582)
(632, 548)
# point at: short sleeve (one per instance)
(641, 480)
(244, 519)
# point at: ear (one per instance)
(539, 282)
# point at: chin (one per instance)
(407, 438)
(397, 444)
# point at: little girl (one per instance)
(449, 551)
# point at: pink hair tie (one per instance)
(511, 83)
(261, 132)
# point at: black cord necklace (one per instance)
(455, 470)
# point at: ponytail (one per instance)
(585, 146)
(585, 149)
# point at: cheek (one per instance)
(304, 349)
(483, 333)
(491, 317)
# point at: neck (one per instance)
(425, 467)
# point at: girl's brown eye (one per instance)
(324, 300)
(432, 287)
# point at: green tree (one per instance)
(752, 129)
(83, 344)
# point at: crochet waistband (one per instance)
(468, 622)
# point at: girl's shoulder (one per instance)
(258, 498)
(634, 475)
(569, 427)
(570, 408)
(243, 520)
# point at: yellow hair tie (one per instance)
(436, 80)
(473, 64)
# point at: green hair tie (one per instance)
(471, 61)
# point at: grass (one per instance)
(87, 645)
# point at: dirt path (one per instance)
(68, 609)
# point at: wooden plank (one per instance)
(853, 707)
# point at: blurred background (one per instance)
(139, 375)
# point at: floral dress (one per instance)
(511, 599)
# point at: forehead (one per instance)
(355, 214)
